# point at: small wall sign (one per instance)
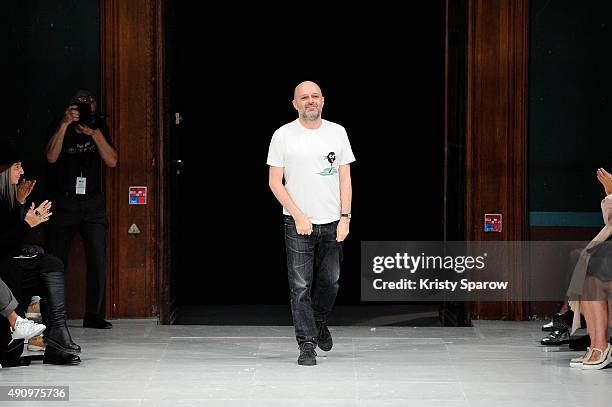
(138, 195)
(493, 222)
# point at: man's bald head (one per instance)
(308, 101)
(305, 88)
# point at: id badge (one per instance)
(81, 183)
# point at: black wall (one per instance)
(53, 50)
(381, 72)
(570, 88)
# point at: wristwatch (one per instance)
(346, 215)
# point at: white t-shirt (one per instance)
(310, 159)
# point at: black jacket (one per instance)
(13, 229)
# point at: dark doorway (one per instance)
(233, 82)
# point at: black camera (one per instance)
(87, 117)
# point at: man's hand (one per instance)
(342, 230)
(303, 225)
(70, 115)
(24, 189)
(606, 180)
(81, 128)
(107, 152)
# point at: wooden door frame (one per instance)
(132, 58)
(496, 135)
(133, 43)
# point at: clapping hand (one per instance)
(606, 180)
(36, 216)
(24, 189)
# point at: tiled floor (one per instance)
(139, 363)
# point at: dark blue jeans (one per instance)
(318, 254)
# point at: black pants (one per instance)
(42, 275)
(86, 215)
(320, 254)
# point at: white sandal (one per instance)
(577, 362)
(604, 359)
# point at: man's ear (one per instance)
(293, 102)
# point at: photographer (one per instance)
(76, 150)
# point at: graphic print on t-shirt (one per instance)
(87, 147)
(331, 157)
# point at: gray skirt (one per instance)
(600, 263)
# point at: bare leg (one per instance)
(596, 315)
(599, 335)
(12, 318)
(596, 312)
(585, 309)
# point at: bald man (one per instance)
(313, 156)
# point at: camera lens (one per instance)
(86, 117)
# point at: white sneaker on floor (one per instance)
(26, 329)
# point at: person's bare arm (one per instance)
(107, 152)
(346, 196)
(54, 146)
(275, 181)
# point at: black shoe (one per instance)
(324, 340)
(308, 356)
(60, 339)
(91, 320)
(11, 356)
(548, 327)
(14, 344)
(563, 321)
(57, 357)
(581, 343)
(556, 338)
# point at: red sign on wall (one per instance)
(138, 195)
(493, 222)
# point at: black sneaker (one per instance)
(324, 340)
(556, 338)
(563, 321)
(308, 356)
(91, 320)
(548, 327)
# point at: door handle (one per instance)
(178, 166)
